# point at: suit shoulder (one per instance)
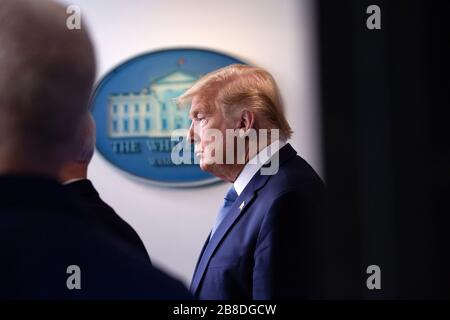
(295, 176)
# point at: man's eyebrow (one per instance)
(195, 111)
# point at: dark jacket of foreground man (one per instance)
(110, 220)
(44, 231)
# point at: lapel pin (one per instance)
(242, 205)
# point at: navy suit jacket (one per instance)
(264, 249)
(108, 218)
(44, 229)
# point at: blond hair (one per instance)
(240, 87)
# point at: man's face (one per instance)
(204, 130)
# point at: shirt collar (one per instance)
(72, 181)
(253, 166)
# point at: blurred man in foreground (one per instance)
(51, 246)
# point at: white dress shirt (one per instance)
(256, 163)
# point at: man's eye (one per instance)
(201, 120)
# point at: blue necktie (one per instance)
(228, 201)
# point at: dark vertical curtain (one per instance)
(384, 97)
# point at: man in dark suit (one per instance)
(74, 178)
(51, 246)
(262, 244)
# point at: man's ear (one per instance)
(246, 121)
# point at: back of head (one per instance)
(47, 72)
(86, 141)
(77, 166)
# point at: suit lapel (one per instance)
(238, 208)
(199, 258)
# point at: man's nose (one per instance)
(191, 133)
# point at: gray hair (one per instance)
(46, 78)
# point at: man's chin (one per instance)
(207, 166)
